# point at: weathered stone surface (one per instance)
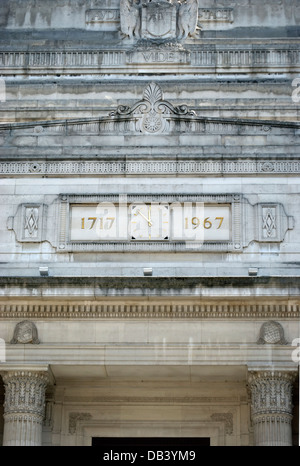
(144, 337)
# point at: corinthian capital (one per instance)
(271, 391)
(25, 392)
(271, 406)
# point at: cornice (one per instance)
(39, 125)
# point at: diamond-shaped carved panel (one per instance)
(29, 222)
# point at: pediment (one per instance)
(152, 115)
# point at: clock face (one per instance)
(149, 222)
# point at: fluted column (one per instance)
(271, 404)
(24, 407)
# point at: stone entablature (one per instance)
(183, 298)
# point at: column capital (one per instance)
(271, 391)
(6, 367)
(271, 406)
(25, 392)
(24, 406)
(42, 369)
(271, 374)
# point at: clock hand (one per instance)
(149, 222)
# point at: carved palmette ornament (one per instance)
(25, 332)
(152, 114)
(271, 332)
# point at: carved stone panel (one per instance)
(29, 222)
(158, 20)
(102, 16)
(177, 223)
(273, 222)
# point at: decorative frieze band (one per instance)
(92, 310)
(50, 61)
(207, 167)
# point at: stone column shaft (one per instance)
(271, 395)
(24, 407)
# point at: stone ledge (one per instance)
(168, 283)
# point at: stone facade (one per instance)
(149, 247)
